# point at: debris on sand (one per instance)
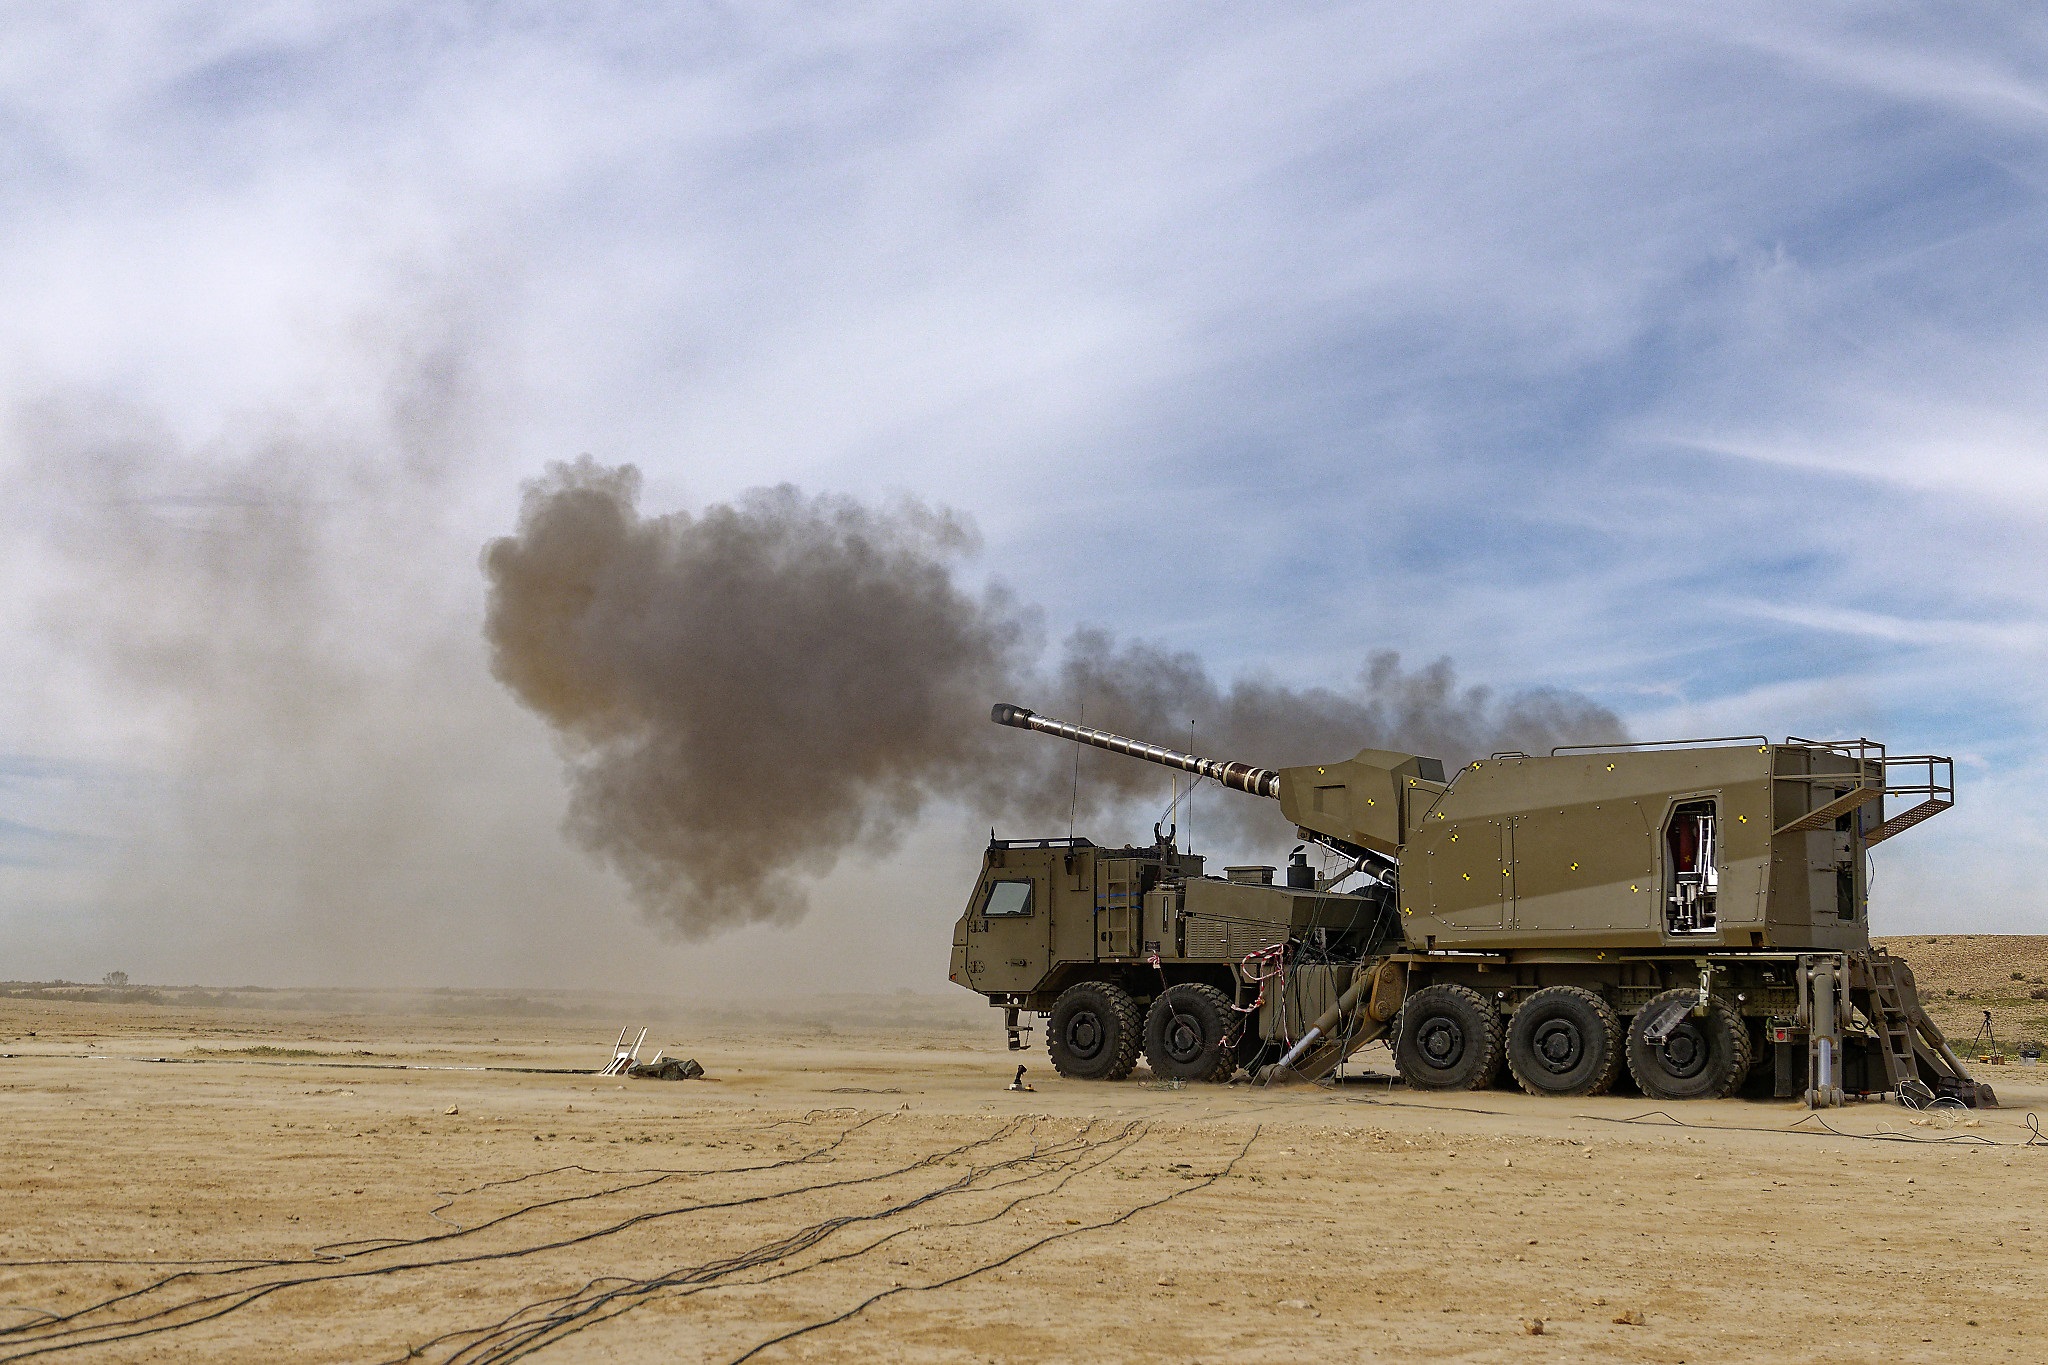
(626, 1062)
(1018, 1083)
(1532, 1326)
(623, 1057)
(1631, 1318)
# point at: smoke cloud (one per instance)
(745, 695)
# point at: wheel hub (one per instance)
(1558, 1045)
(1685, 1051)
(1443, 1042)
(1084, 1035)
(1183, 1038)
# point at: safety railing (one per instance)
(1937, 792)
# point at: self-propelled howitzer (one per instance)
(1692, 913)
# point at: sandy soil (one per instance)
(845, 1150)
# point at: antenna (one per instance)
(1075, 804)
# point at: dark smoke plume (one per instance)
(745, 695)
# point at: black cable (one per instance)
(997, 1264)
(251, 1294)
(1793, 1128)
(573, 1313)
(233, 1299)
(329, 1253)
(778, 1249)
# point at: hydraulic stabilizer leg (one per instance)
(1824, 1006)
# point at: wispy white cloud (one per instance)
(1691, 357)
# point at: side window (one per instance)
(1008, 898)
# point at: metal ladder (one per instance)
(1919, 1063)
(1894, 1007)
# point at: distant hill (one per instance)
(1962, 975)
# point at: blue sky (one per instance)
(1692, 360)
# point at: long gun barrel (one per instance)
(1238, 776)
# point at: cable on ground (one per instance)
(1000, 1262)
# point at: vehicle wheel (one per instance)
(1564, 1040)
(1093, 1032)
(1450, 1039)
(1187, 1035)
(1699, 1058)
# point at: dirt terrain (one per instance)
(259, 1177)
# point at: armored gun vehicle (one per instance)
(1695, 913)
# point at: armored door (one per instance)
(1009, 933)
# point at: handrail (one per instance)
(1657, 744)
(1860, 742)
(1940, 794)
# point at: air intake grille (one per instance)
(1229, 938)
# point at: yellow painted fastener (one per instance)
(1575, 867)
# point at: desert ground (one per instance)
(250, 1175)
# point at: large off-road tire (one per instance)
(1564, 1040)
(1449, 1039)
(1187, 1035)
(1093, 1032)
(1700, 1058)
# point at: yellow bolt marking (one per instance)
(1468, 876)
(1368, 801)
(1454, 838)
(1634, 887)
(1322, 770)
(1504, 872)
(1575, 867)
(1610, 767)
(1742, 819)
